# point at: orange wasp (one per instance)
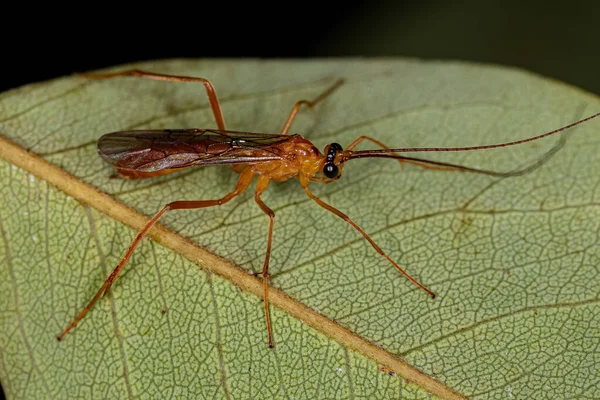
(271, 157)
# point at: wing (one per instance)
(154, 152)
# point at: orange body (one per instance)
(299, 157)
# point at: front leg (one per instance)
(343, 216)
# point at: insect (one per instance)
(269, 157)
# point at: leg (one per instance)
(403, 160)
(210, 90)
(261, 185)
(243, 183)
(370, 139)
(375, 246)
(288, 123)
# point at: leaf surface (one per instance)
(514, 261)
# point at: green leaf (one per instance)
(514, 261)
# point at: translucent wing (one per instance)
(147, 153)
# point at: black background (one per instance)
(560, 39)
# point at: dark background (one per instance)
(559, 40)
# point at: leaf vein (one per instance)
(112, 303)
(18, 310)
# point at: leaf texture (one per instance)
(514, 261)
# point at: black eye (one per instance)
(336, 146)
(330, 171)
